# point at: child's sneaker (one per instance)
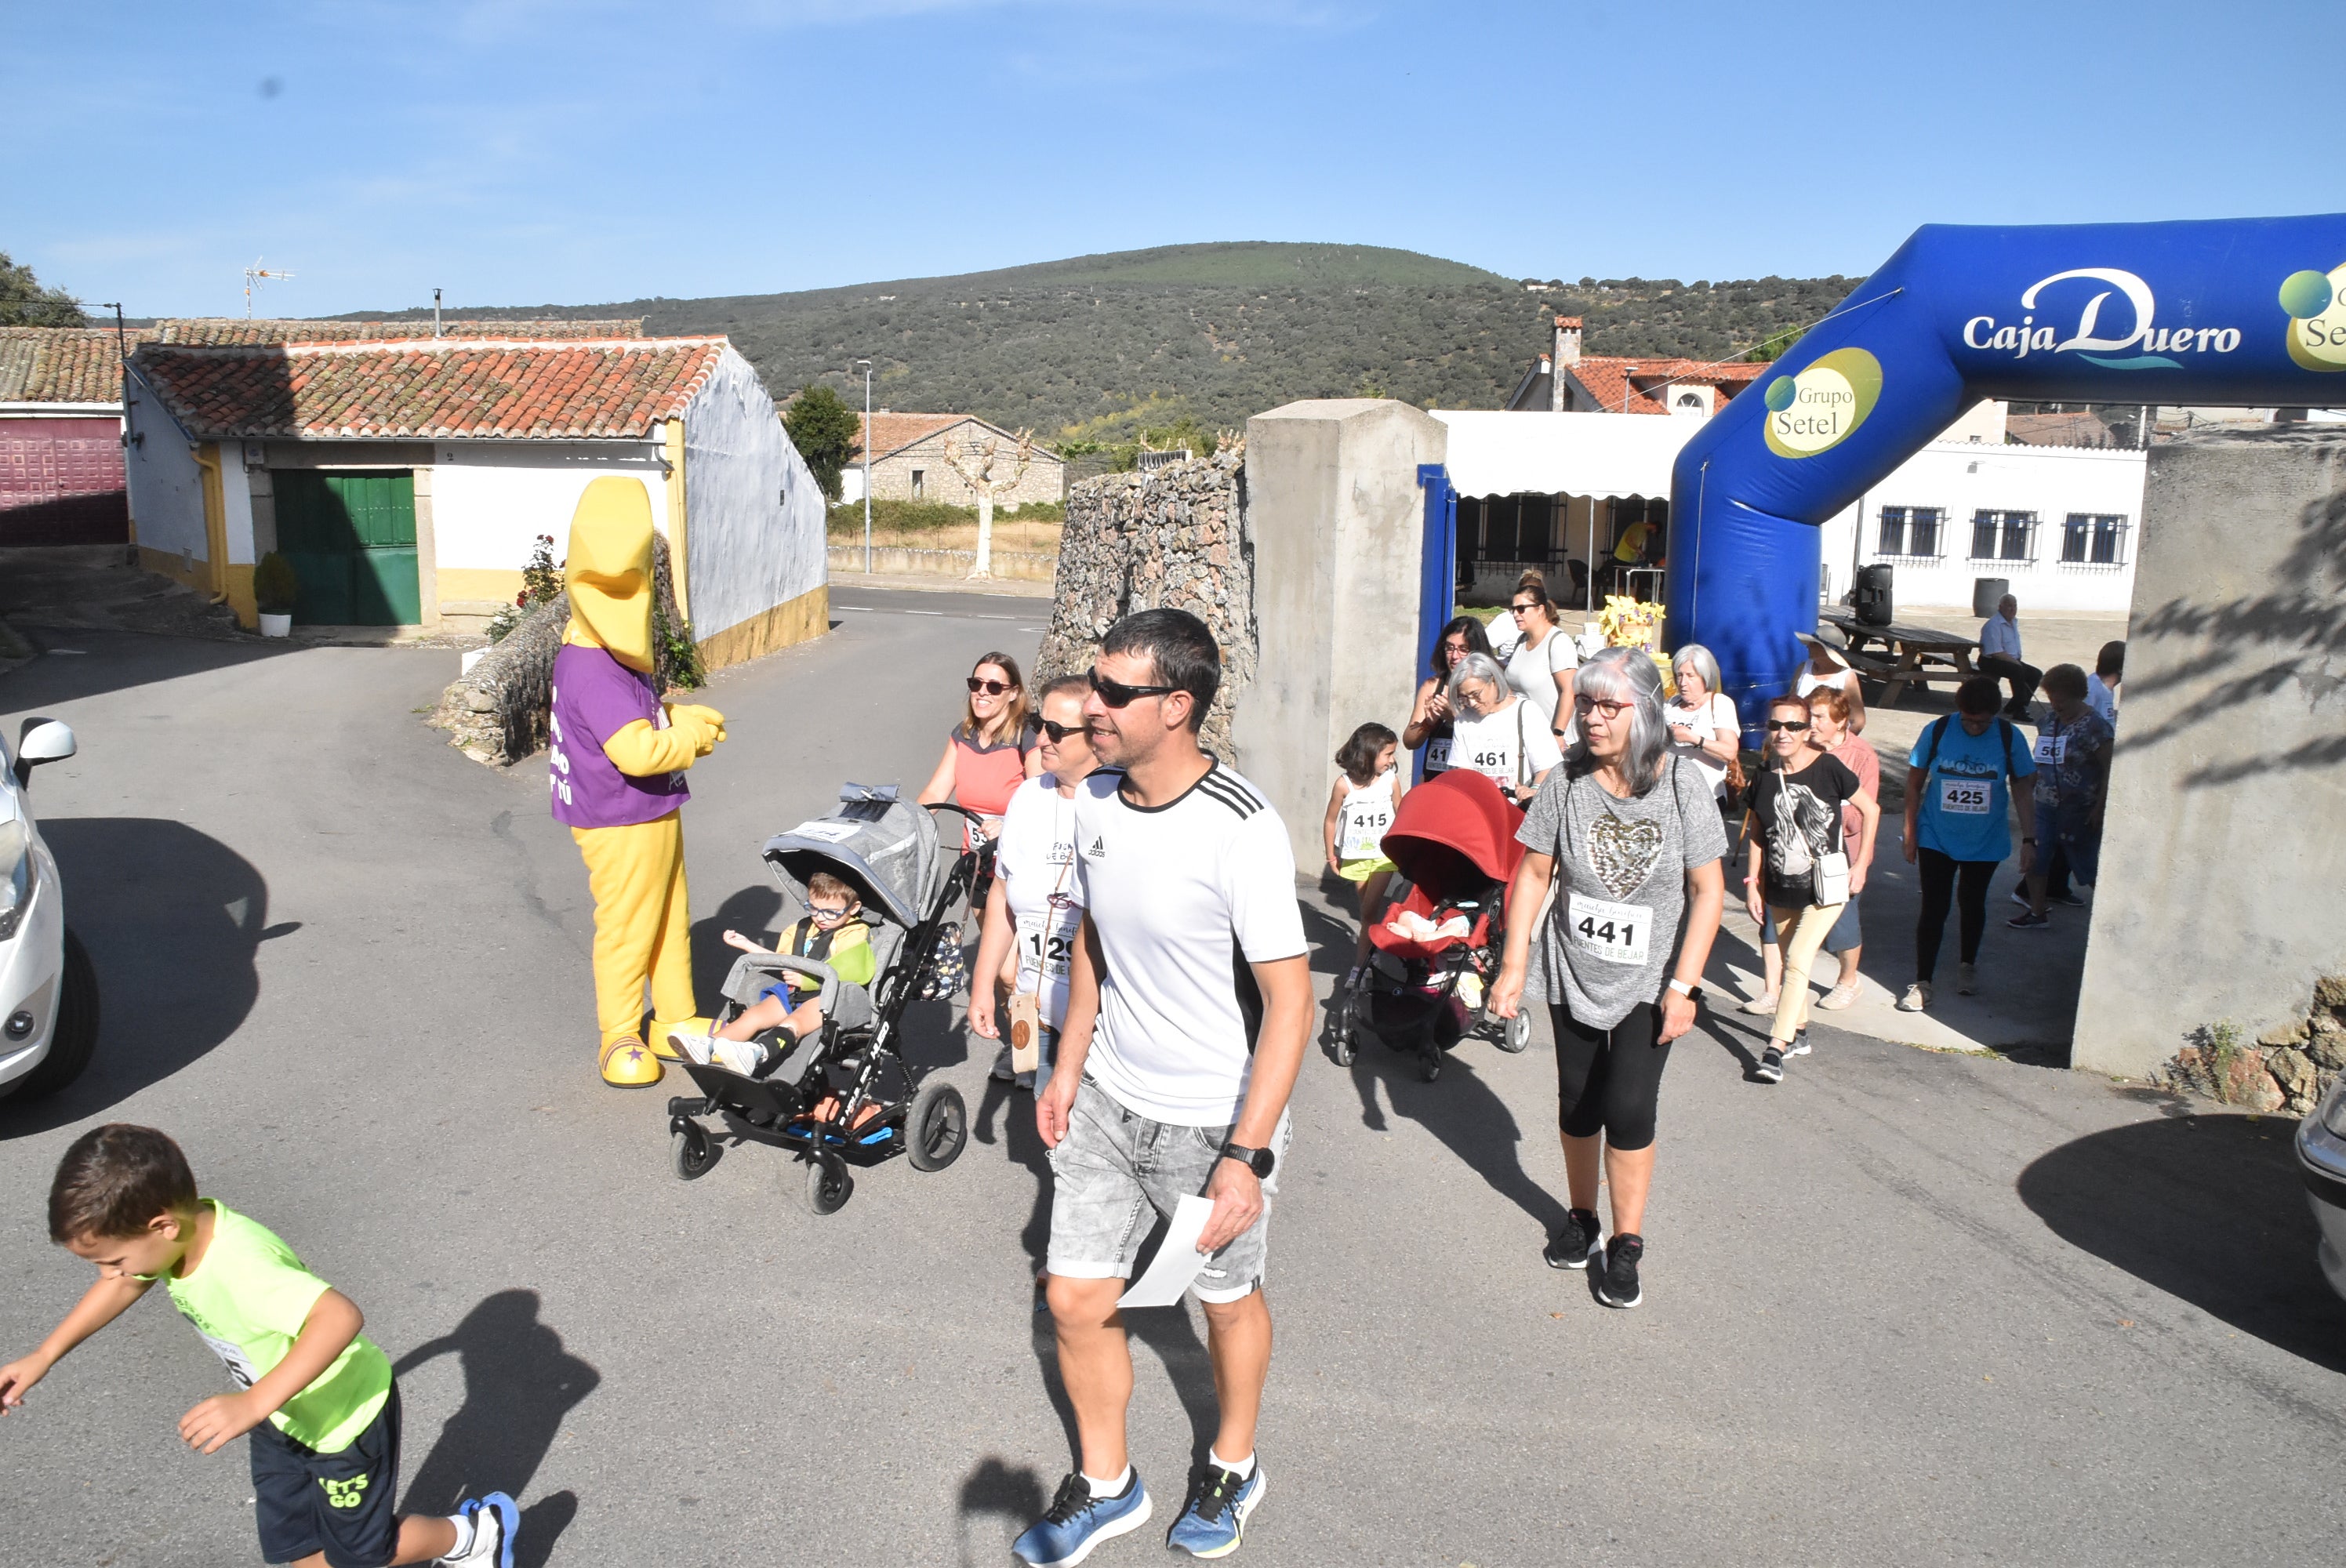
(750, 1058)
(496, 1521)
(695, 1045)
(1078, 1522)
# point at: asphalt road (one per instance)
(1905, 1308)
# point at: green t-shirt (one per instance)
(249, 1298)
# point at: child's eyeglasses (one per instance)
(1058, 732)
(825, 915)
(1788, 724)
(991, 687)
(1115, 694)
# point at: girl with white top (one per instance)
(1542, 664)
(1359, 809)
(1703, 728)
(1499, 734)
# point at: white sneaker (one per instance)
(1917, 997)
(497, 1520)
(743, 1056)
(1839, 997)
(1766, 1003)
(694, 1045)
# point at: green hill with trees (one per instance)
(1098, 348)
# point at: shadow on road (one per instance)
(2208, 1208)
(519, 1384)
(172, 919)
(995, 1489)
(753, 912)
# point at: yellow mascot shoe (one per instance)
(661, 1031)
(629, 1063)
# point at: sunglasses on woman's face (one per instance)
(1604, 705)
(1519, 609)
(1115, 694)
(1793, 724)
(991, 687)
(1058, 732)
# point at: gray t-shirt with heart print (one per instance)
(1620, 884)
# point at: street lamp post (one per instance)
(866, 444)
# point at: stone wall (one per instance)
(2289, 1067)
(1173, 539)
(1046, 478)
(1026, 566)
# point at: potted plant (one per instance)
(274, 590)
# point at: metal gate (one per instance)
(61, 482)
(350, 540)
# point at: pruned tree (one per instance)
(24, 303)
(978, 470)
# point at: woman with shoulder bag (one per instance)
(1630, 842)
(1543, 661)
(1802, 871)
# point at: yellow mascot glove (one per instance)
(640, 751)
(688, 713)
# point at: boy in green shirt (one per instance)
(315, 1394)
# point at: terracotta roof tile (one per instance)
(1626, 384)
(892, 432)
(236, 330)
(453, 387)
(61, 364)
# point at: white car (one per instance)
(49, 991)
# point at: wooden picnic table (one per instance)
(1908, 655)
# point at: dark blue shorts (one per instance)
(343, 1504)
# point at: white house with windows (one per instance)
(2057, 522)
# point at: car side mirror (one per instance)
(41, 740)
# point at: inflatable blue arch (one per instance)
(2246, 311)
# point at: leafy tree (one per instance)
(24, 303)
(827, 433)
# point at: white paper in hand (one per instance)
(1178, 1261)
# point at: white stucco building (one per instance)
(407, 481)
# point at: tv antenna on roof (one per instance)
(255, 273)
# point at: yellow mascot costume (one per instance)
(617, 758)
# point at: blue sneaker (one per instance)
(497, 1520)
(1078, 1522)
(1214, 1520)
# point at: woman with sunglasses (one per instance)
(1630, 841)
(1430, 720)
(990, 751)
(1033, 915)
(1544, 660)
(1803, 869)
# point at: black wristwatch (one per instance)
(1259, 1161)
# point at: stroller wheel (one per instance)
(1343, 1023)
(1428, 1063)
(1514, 1034)
(692, 1151)
(828, 1184)
(936, 1127)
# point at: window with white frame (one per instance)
(2003, 536)
(2093, 539)
(1914, 532)
(920, 483)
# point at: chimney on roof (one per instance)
(1566, 352)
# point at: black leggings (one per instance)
(1966, 881)
(1609, 1080)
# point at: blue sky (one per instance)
(525, 151)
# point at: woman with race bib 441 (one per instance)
(1431, 719)
(1368, 788)
(1631, 838)
(1498, 734)
(1032, 913)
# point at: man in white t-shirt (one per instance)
(1187, 1009)
(1035, 908)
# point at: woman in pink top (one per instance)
(990, 751)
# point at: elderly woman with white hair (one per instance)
(1498, 733)
(1704, 730)
(1630, 840)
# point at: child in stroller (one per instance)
(832, 932)
(829, 1081)
(1453, 840)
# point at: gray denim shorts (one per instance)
(1114, 1172)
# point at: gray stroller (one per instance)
(887, 850)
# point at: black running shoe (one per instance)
(1772, 1065)
(1617, 1285)
(1800, 1045)
(1572, 1247)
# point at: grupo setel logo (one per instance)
(2316, 303)
(2088, 339)
(1817, 408)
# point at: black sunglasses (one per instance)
(991, 687)
(1058, 732)
(1115, 694)
(1788, 724)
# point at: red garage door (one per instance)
(61, 482)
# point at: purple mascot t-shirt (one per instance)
(595, 697)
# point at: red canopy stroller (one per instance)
(1439, 948)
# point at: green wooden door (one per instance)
(351, 538)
